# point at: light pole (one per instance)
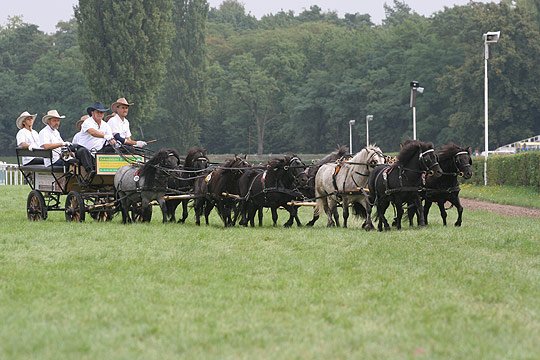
(415, 88)
(368, 119)
(351, 123)
(491, 37)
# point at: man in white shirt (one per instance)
(50, 139)
(27, 138)
(120, 124)
(96, 134)
(78, 125)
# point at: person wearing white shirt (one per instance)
(28, 138)
(50, 139)
(78, 125)
(120, 124)
(96, 133)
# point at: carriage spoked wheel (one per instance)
(102, 215)
(36, 209)
(137, 213)
(75, 209)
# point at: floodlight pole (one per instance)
(368, 119)
(489, 37)
(415, 88)
(351, 123)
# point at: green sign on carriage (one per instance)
(108, 164)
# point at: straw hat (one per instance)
(51, 114)
(121, 101)
(23, 116)
(79, 122)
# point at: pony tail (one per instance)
(359, 210)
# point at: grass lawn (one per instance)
(507, 195)
(105, 290)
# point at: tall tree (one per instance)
(185, 96)
(125, 45)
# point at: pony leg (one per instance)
(207, 209)
(163, 206)
(459, 208)
(420, 211)
(315, 217)
(399, 215)
(260, 214)
(274, 216)
(382, 205)
(427, 206)
(184, 211)
(442, 210)
(345, 212)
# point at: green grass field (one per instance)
(105, 290)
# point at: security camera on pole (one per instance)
(491, 37)
(415, 88)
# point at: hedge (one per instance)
(517, 170)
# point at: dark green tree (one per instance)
(125, 45)
(185, 96)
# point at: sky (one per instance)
(47, 13)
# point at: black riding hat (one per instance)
(96, 106)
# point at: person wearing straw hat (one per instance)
(96, 134)
(50, 139)
(78, 125)
(120, 124)
(28, 138)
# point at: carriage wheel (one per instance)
(75, 209)
(35, 206)
(137, 215)
(103, 215)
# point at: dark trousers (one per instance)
(84, 156)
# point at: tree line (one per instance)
(221, 78)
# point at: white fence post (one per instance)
(10, 174)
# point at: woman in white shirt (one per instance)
(28, 138)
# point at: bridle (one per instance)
(422, 157)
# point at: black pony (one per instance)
(400, 182)
(455, 161)
(219, 188)
(141, 184)
(182, 183)
(273, 187)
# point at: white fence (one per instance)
(10, 174)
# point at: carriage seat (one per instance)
(38, 153)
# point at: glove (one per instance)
(140, 143)
(66, 143)
(108, 137)
(30, 147)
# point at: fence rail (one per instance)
(10, 174)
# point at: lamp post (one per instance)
(415, 88)
(491, 37)
(351, 123)
(368, 119)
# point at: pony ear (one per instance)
(469, 150)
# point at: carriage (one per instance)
(49, 184)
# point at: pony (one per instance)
(194, 164)
(136, 184)
(210, 189)
(455, 161)
(344, 182)
(272, 187)
(401, 182)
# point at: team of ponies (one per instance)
(240, 192)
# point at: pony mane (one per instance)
(192, 154)
(334, 155)
(149, 169)
(358, 157)
(278, 162)
(410, 148)
(448, 151)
